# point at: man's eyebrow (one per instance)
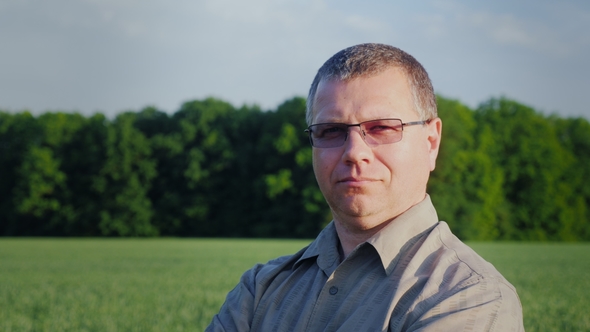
(329, 117)
(329, 121)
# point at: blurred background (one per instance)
(186, 118)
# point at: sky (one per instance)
(111, 56)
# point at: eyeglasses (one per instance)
(374, 132)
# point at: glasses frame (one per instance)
(309, 130)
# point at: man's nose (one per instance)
(356, 148)
(358, 130)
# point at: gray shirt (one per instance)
(414, 275)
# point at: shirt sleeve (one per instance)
(497, 309)
(237, 311)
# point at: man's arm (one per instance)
(237, 311)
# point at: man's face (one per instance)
(364, 185)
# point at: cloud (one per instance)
(508, 25)
(506, 29)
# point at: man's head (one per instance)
(376, 172)
(366, 60)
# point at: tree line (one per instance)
(505, 172)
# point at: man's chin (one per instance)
(356, 207)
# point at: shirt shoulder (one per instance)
(461, 287)
(261, 275)
(460, 253)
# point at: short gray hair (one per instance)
(366, 60)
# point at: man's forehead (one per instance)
(396, 73)
(363, 98)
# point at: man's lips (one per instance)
(354, 180)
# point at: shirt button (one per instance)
(333, 290)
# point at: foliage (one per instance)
(179, 284)
(505, 172)
(467, 187)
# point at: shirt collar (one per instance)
(401, 233)
(325, 248)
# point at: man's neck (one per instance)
(354, 230)
(351, 237)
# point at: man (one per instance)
(385, 263)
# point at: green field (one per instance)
(179, 284)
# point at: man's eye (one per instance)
(381, 129)
(331, 131)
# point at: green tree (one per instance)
(18, 132)
(124, 180)
(83, 157)
(466, 186)
(574, 135)
(60, 132)
(197, 153)
(39, 180)
(535, 166)
(43, 173)
(168, 190)
(291, 191)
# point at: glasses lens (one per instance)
(384, 131)
(328, 135)
(375, 132)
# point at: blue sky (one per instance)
(114, 55)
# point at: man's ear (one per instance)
(434, 137)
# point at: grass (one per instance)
(122, 285)
(179, 284)
(552, 280)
